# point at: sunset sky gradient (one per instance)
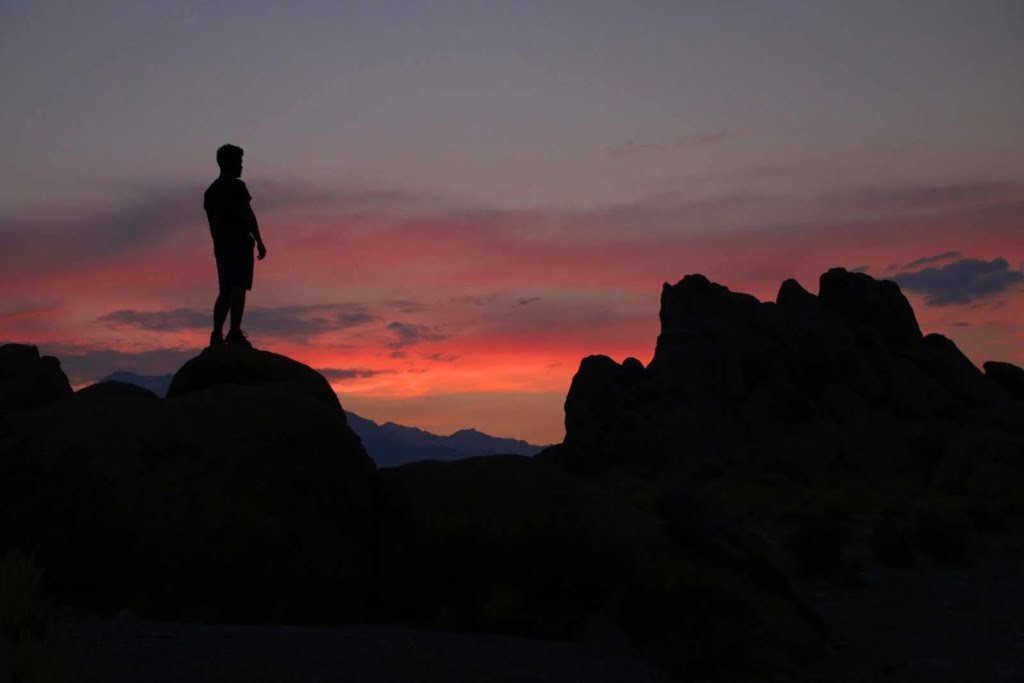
(463, 199)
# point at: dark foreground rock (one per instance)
(245, 496)
(249, 500)
(511, 545)
(128, 652)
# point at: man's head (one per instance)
(229, 158)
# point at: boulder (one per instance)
(595, 399)
(792, 295)
(234, 500)
(225, 364)
(28, 381)
(1008, 376)
(861, 300)
(114, 389)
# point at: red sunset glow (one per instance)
(456, 215)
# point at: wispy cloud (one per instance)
(298, 323)
(406, 306)
(440, 357)
(345, 374)
(929, 260)
(156, 321)
(409, 334)
(962, 281)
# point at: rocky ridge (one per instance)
(842, 384)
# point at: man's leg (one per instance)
(220, 313)
(237, 306)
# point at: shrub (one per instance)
(23, 622)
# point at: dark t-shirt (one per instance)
(227, 209)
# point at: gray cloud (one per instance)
(406, 306)
(157, 321)
(343, 374)
(309, 321)
(408, 334)
(929, 260)
(295, 322)
(475, 300)
(962, 281)
(440, 357)
(527, 300)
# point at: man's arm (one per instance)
(254, 230)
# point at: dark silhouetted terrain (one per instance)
(805, 489)
(388, 444)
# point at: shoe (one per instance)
(237, 338)
(216, 338)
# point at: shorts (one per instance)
(234, 269)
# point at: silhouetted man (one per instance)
(234, 231)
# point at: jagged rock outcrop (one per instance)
(28, 381)
(862, 301)
(245, 496)
(806, 384)
(1008, 376)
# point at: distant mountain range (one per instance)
(158, 384)
(389, 444)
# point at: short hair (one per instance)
(226, 153)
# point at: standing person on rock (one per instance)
(235, 231)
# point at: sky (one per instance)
(461, 200)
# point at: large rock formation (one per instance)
(808, 387)
(245, 495)
(28, 381)
(850, 451)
